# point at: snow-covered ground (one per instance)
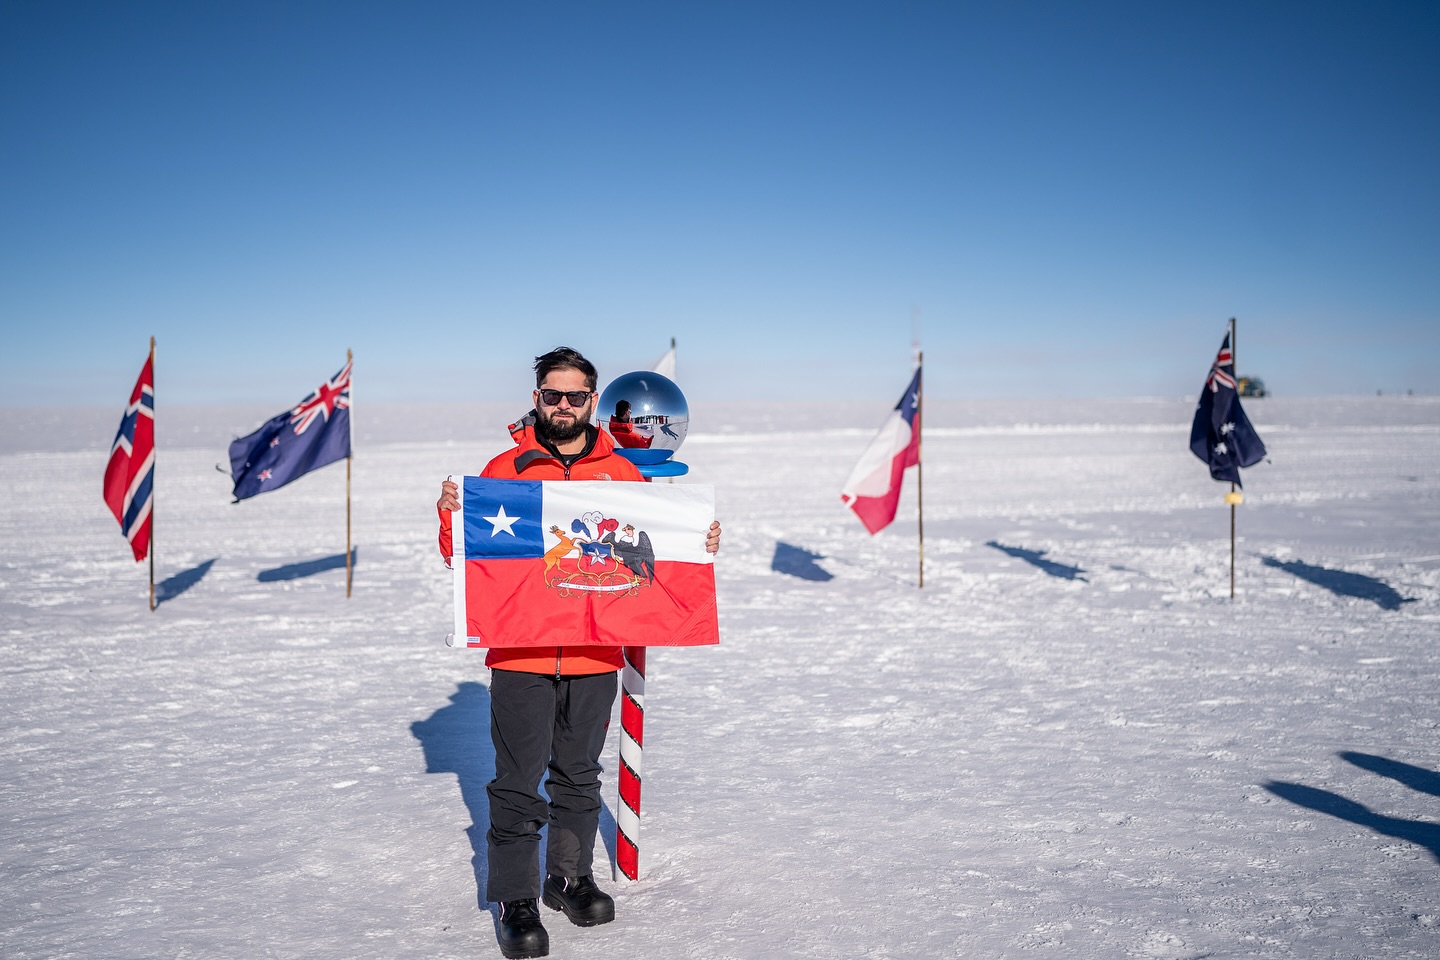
(1070, 743)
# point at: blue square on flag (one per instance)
(502, 520)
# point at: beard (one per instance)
(561, 431)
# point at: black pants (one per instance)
(539, 723)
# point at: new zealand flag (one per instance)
(1221, 434)
(291, 444)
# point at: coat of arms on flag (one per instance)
(582, 562)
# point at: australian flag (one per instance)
(1221, 434)
(291, 444)
(130, 473)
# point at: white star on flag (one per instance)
(501, 522)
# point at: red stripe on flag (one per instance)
(521, 603)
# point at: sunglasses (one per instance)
(577, 398)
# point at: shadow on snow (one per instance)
(172, 587)
(1036, 558)
(456, 739)
(1418, 832)
(1416, 778)
(1343, 583)
(294, 571)
(799, 562)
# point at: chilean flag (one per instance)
(583, 562)
(873, 490)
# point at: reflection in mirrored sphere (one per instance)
(644, 410)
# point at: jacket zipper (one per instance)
(560, 651)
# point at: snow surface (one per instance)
(1070, 743)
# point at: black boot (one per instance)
(584, 903)
(521, 932)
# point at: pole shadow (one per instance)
(1343, 583)
(294, 571)
(798, 562)
(456, 739)
(1418, 832)
(608, 829)
(172, 586)
(1036, 558)
(1416, 778)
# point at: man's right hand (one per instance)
(449, 496)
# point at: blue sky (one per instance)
(1062, 199)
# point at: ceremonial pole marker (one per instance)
(650, 420)
(632, 738)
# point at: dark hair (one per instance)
(564, 358)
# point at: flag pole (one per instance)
(151, 544)
(350, 426)
(920, 462)
(1234, 360)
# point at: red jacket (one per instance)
(531, 461)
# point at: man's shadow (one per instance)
(1418, 832)
(1036, 558)
(1343, 583)
(456, 739)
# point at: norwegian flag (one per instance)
(1221, 434)
(130, 474)
(313, 433)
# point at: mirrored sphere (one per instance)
(644, 410)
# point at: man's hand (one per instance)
(712, 539)
(450, 499)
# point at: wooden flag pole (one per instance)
(1232, 497)
(151, 549)
(350, 426)
(920, 463)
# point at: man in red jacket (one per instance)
(549, 706)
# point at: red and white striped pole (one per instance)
(632, 738)
(632, 716)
